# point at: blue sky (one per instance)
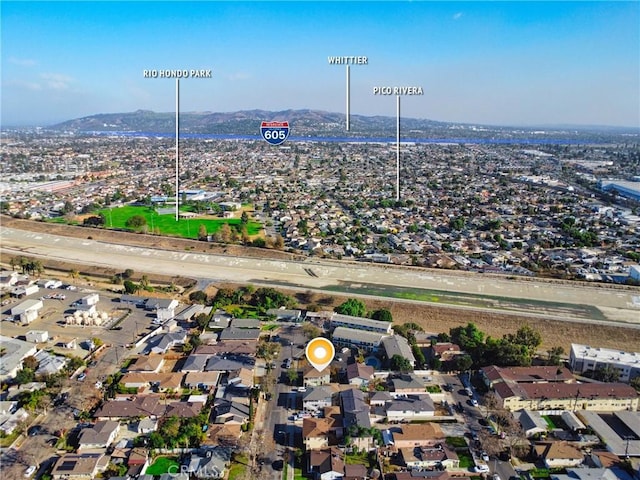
(500, 63)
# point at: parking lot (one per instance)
(58, 305)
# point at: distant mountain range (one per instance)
(317, 123)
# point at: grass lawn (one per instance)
(539, 473)
(238, 467)
(167, 225)
(7, 440)
(456, 442)
(269, 327)
(162, 465)
(297, 474)
(466, 460)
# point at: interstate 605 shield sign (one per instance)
(274, 132)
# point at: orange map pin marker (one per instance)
(320, 352)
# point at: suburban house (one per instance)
(161, 382)
(398, 345)
(241, 378)
(169, 340)
(314, 378)
(359, 374)
(407, 409)
(416, 435)
(148, 363)
(355, 409)
(559, 454)
(418, 458)
(14, 352)
(326, 464)
(210, 463)
(202, 380)
(79, 466)
(165, 308)
(100, 435)
(317, 398)
(229, 412)
(321, 432)
(142, 406)
(532, 423)
(406, 383)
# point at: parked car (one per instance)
(484, 456)
(82, 376)
(30, 471)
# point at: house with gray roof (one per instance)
(49, 363)
(14, 352)
(100, 435)
(355, 410)
(210, 463)
(169, 340)
(316, 398)
(233, 333)
(398, 345)
(410, 409)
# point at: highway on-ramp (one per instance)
(619, 304)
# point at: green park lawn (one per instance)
(166, 224)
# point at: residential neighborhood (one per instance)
(191, 395)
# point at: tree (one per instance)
(463, 362)
(606, 373)
(468, 337)
(198, 296)
(127, 274)
(244, 218)
(97, 342)
(292, 375)
(383, 315)
(310, 330)
(131, 287)
(353, 307)
(555, 356)
(30, 362)
(398, 363)
(26, 375)
(202, 232)
(136, 221)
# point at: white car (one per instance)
(484, 456)
(481, 468)
(30, 471)
(474, 402)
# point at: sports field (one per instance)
(166, 224)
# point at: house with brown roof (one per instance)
(417, 435)
(79, 466)
(326, 464)
(314, 378)
(184, 409)
(559, 454)
(160, 381)
(241, 378)
(428, 457)
(202, 380)
(359, 374)
(148, 363)
(142, 406)
(318, 433)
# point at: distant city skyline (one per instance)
(493, 63)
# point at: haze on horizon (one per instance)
(493, 63)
